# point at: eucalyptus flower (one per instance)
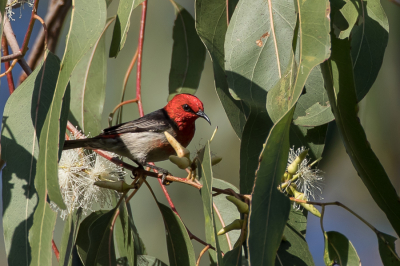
(309, 180)
(15, 4)
(77, 172)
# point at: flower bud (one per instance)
(181, 162)
(215, 160)
(241, 206)
(308, 207)
(119, 186)
(294, 166)
(235, 225)
(179, 149)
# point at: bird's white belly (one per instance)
(147, 146)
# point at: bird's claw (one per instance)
(163, 179)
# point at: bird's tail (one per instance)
(77, 143)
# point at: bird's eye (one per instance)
(186, 108)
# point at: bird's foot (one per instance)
(139, 169)
(162, 171)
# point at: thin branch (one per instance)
(10, 68)
(323, 204)
(28, 33)
(55, 249)
(227, 12)
(12, 41)
(201, 254)
(140, 55)
(56, 12)
(37, 17)
(126, 78)
(10, 80)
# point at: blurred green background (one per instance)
(378, 113)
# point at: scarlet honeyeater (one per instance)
(143, 140)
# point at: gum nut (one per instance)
(240, 205)
(215, 160)
(294, 166)
(181, 162)
(235, 225)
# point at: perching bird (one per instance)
(143, 140)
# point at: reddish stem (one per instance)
(55, 249)
(28, 33)
(10, 80)
(139, 60)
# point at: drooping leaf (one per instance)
(255, 132)
(258, 46)
(368, 44)
(294, 249)
(122, 24)
(87, 21)
(101, 249)
(387, 250)
(338, 76)
(211, 28)
(145, 260)
(339, 250)
(206, 177)
(351, 12)
(313, 108)
(180, 248)
(23, 118)
(82, 239)
(127, 238)
(44, 216)
(188, 55)
(269, 208)
(88, 84)
(233, 257)
(69, 237)
(225, 212)
(314, 48)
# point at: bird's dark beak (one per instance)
(203, 115)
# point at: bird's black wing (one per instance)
(157, 121)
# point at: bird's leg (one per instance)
(161, 170)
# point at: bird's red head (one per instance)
(184, 109)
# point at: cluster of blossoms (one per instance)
(308, 180)
(77, 173)
(16, 3)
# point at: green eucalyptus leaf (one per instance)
(129, 243)
(313, 108)
(180, 248)
(338, 76)
(206, 177)
(387, 250)
(44, 216)
(188, 55)
(211, 27)
(69, 235)
(339, 250)
(87, 21)
(294, 249)
(88, 84)
(82, 239)
(225, 212)
(23, 118)
(314, 48)
(368, 44)
(101, 249)
(269, 209)
(122, 24)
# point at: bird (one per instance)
(143, 140)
